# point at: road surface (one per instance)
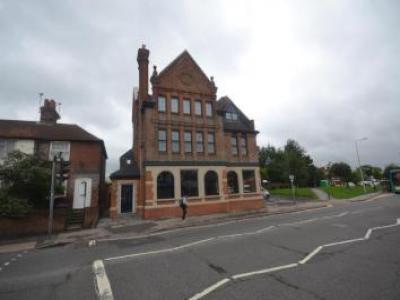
(349, 251)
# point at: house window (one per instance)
(189, 184)
(175, 105)
(249, 181)
(165, 185)
(234, 116)
(209, 109)
(243, 145)
(162, 105)
(211, 143)
(199, 142)
(211, 183)
(162, 140)
(59, 148)
(233, 185)
(6, 147)
(188, 141)
(186, 107)
(234, 146)
(197, 108)
(175, 141)
(228, 116)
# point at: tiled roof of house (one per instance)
(128, 168)
(16, 129)
(224, 105)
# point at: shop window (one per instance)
(165, 185)
(211, 183)
(189, 183)
(233, 184)
(249, 181)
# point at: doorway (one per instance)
(127, 199)
(82, 193)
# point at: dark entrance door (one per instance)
(126, 198)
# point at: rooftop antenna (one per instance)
(59, 107)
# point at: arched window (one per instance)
(233, 185)
(165, 185)
(211, 183)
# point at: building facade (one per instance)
(84, 189)
(186, 143)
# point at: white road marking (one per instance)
(0, 269)
(210, 289)
(264, 271)
(19, 255)
(6, 263)
(206, 226)
(310, 255)
(92, 243)
(297, 264)
(102, 284)
(221, 237)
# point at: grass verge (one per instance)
(339, 192)
(306, 193)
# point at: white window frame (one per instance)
(65, 152)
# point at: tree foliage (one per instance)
(341, 170)
(24, 179)
(277, 164)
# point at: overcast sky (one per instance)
(321, 72)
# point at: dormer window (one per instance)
(128, 161)
(231, 116)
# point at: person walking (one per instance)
(183, 205)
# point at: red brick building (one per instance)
(84, 190)
(186, 142)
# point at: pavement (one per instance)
(346, 251)
(132, 226)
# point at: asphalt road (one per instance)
(271, 257)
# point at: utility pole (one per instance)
(359, 163)
(291, 178)
(51, 204)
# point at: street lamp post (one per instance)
(359, 163)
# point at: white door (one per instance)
(82, 192)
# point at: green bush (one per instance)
(13, 207)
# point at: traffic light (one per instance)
(63, 171)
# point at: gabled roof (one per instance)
(183, 55)
(244, 124)
(16, 129)
(184, 65)
(126, 170)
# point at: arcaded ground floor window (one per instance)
(249, 181)
(165, 185)
(189, 183)
(211, 183)
(233, 184)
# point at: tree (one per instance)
(341, 170)
(388, 168)
(27, 178)
(277, 164)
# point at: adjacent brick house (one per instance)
(186, 142)
(86, 153)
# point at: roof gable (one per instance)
(224, 105)
(184, 74)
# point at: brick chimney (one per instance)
(48, 112)
(143, 62)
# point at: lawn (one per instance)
(346, 192)
(299, 192)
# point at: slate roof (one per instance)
(243, 124)
(126, 170)
(16, 129)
